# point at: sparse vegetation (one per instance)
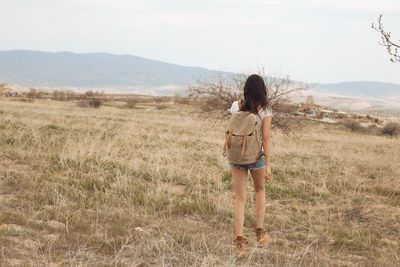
(60, 95)
(354, 126)
(178, 99)
(131, 102)
(91, 99)
(34, 94)
(391, 129)
(160, 99)
(161, 106)
(90, 103)
(118, 187)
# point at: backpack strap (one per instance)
(261, 148)
(261, 119)
(228, 141)
(243, 151)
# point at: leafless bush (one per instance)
(181, 100)
(373, 129)
(391, 129)
(89, 94)
(391, 47)
(131, 102)
(215, 97)
(92, 94)
(63, 95)
(354, 126)
(90, 103)
(161, 106)
(34, 93)
(160, 99)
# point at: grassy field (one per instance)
(149, 187)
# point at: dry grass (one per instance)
(145, 187)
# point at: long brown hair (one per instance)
(255, 94)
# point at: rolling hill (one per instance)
(127, 73)
(95, 70)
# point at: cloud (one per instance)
(313, 39)
(360, 5)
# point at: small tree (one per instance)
(392, 48)
(214, 97)
(90, 99)
(89, 94)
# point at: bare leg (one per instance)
(239, 180)
(259, 188)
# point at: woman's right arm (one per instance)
(267, 145)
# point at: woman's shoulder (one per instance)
(235, 107)
(266, 112)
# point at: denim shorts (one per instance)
(253, 166)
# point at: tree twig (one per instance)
(392, 48)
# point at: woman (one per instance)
(255, 101)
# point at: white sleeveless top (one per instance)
(267, 112)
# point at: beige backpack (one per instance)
(243, 141)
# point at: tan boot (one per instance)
(262, 237)
(240, 243)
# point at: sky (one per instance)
(309, 40)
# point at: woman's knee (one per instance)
(259, 184)
(259, 188)
(240, 197)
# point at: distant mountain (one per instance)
(360, 88)
(95, 70)
(358, 95)
(126, 73)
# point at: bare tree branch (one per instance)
(391, 47)
(214, 97)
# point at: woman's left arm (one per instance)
(267, 145)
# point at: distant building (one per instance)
(324, 113)
(11, 93)
(313, 111)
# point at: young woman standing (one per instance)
(255, 101)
